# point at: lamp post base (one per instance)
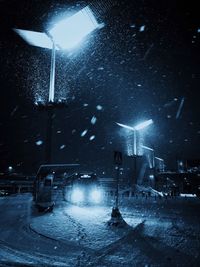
(116, 218)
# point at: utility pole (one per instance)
(116, 217)
(117, 188)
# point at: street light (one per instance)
(136, 128)
(64, 35)
(143, 125)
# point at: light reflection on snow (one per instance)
(86, 212)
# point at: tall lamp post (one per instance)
(153, 155)
(161, 164)
(64, 35)
(136, 128)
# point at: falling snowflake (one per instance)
(142, 28)
(92, 137)
(84, 132)
(93, 120)
(62, 146)
(99, 107)
(180, 108)
(39, 142)
(14, 110)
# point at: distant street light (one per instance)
(64, 35)
(138, 127)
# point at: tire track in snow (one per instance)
(82, 235)
(14, 256)
(84, 258)
(13, 253)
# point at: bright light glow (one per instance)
(143, 125)
(70, 31)
(138, 127)
(87, 213)
(77, 195)
(96, 196)
(85, 176)
(65, 34)
(38, 39)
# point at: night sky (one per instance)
(142, 65)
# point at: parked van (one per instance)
(43, 199)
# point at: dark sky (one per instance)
(140, 66)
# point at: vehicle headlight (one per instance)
(77, 196)
(96, 196)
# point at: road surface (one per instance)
(157, 233)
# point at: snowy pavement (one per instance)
(158, 233)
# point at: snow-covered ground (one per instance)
(159, 232)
